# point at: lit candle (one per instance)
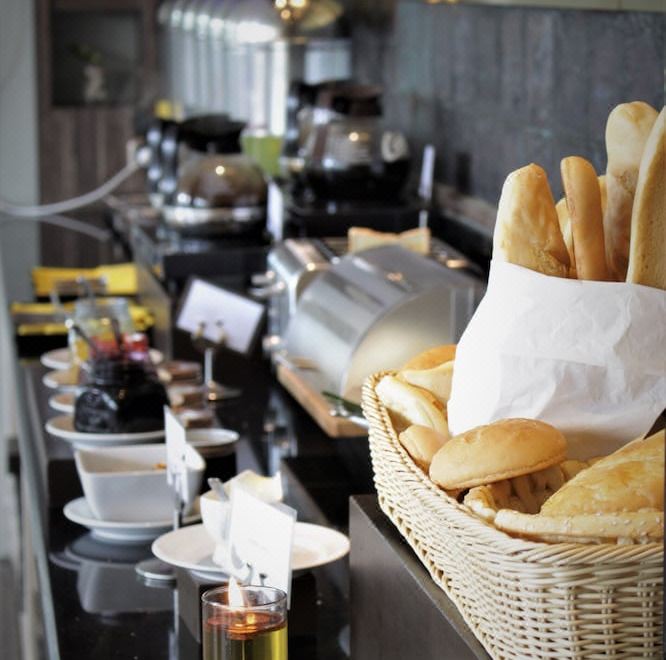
(244, 623)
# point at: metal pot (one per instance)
(210, 185)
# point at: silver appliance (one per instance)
(337, 319)
(239, 56)
(292, 266)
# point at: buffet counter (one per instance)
(83, 596)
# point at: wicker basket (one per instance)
(521, 599)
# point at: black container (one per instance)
(122, 396)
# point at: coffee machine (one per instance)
(342, 166)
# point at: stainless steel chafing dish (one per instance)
(372, 311)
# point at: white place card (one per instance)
(176, 451)
(260, 541)
(219, 309)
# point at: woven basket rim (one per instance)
(552, 553)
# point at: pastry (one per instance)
(525, 493)
(618, 499)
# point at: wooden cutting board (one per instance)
(317, 405)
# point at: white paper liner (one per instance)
(587, 357)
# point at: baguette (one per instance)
(527, 231)
(565, 224)
(627, 131)
(565, 227)
(647, 249)
(583, 196)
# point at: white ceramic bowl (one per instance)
(126, 484)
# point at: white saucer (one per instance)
(63, 402)
(62, 379)
(61, 358)
(62, 426)
(210, 437)
(192, 548)
(79, 512)
(58, 358)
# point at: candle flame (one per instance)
(236, 595)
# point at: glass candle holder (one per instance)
(244, 623)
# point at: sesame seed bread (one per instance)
(618, 499)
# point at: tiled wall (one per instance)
(495, 87)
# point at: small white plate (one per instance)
(58, 358)
(62, 379)
(61, 358)
(211, 437)
(62, 426)
(192, 548)
(63, 402)
(79, 512)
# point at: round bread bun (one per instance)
(436, 380)
(422, 443)
(501, 450)
(409, 405)
(431, 358)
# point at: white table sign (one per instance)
(260, 540)
(212, 305)
(176, 452)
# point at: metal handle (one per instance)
(266, 292)
(263, 279)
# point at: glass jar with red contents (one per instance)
(122, 396)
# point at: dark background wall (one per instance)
(495, 88)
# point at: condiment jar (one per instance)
(122, 396)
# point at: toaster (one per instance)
(338, 317)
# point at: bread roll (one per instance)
(583, 196)
(501, 450)
(619, 499)
(436, 380)
(422, 443)
(431, 357)
(627, 130)
(409, 405)
(527, 232)
(647, 250)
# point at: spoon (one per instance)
(77, 329)
(217, 485)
